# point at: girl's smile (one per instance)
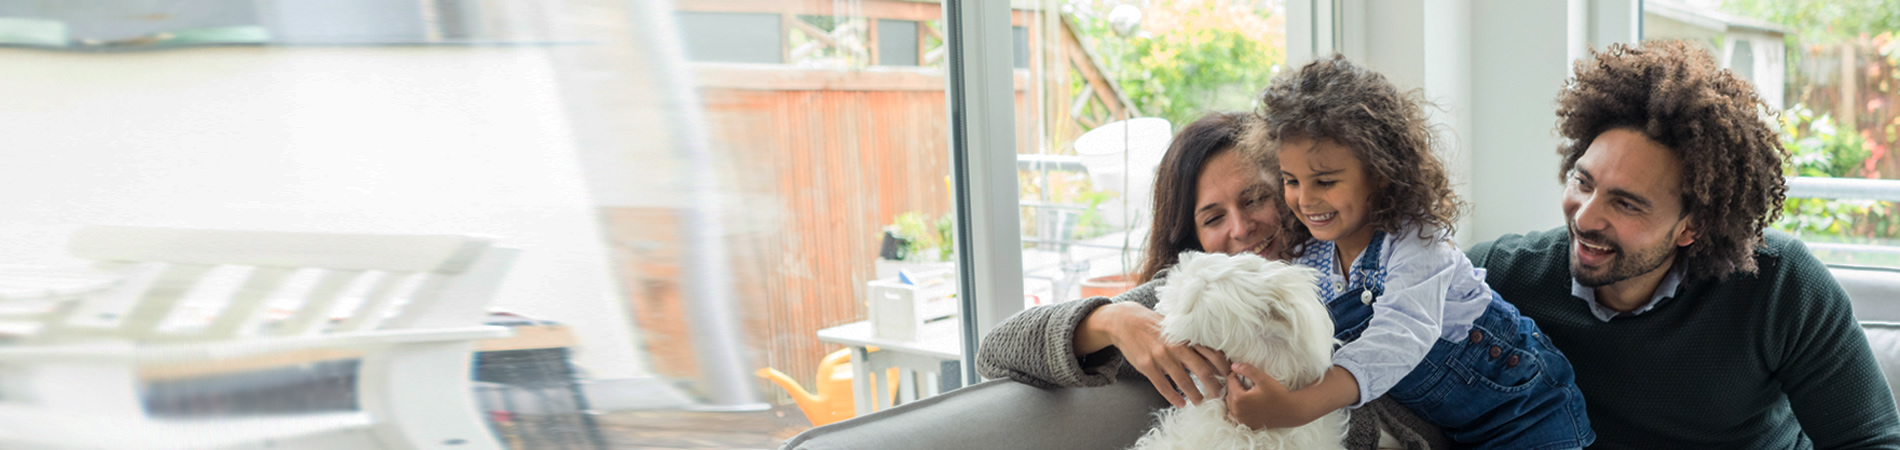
(1328, 188)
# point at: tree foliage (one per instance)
(1189, 56)
(1817, 148)
(1823, 147)
(1821, 22)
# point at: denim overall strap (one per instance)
(1352, 311)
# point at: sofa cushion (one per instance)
(1872, 291)
(1884, 338)
(1001, 414)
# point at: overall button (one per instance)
(1477, 336)
(1495, 351)
(1511, 361)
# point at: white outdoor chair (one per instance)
(410, 306)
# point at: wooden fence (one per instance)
(818, 161)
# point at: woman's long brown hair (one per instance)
(1176, 181)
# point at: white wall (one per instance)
(349, 139)
(1520, 57)
(1492, 69)
(1426, 46)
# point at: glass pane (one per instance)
(1108, 85)
(829, 174)
(704, 234)
(1829, 67)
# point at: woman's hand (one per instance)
(1268, 404)
(1136, 331)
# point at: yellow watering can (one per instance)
(833, 401)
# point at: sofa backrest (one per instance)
(1874, 293)
(1000, 414)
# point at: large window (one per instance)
(718, 222)
(1829, 69)
(1112, 82)
(721, 222)
(828, 163)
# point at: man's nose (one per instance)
(1588, 217)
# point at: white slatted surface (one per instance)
(21, 282)
(411, 305)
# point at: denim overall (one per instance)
(1504, 387)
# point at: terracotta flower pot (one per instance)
(1107, 286)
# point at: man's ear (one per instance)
(1686, 233)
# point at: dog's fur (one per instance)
(1263, 313)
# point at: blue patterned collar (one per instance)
(1367, 270)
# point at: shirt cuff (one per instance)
(1359, 375)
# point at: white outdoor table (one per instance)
(918, 361)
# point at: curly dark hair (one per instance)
(1672, 93)
(1338, 101)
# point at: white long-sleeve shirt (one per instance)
(1431, 291)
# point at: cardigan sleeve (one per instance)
(1037, 346)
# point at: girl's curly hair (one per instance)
(1338, 101)
(1672, 93)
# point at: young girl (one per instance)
(1375, 211)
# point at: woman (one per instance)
(1206, 199)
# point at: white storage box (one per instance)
(898, 310)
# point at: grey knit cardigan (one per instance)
(1036, 347)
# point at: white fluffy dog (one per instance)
(1263, 313)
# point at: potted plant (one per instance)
(916, 243)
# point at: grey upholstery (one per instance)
(1885, 340)
(1876, 296)
(1873, 292)
(1000, 414)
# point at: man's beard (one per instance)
(1623, 265)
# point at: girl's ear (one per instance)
(1379, 183)
(1374, 201)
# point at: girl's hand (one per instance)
(1137, 333)
(1268, 404)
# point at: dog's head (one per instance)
(1264, 313)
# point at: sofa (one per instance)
(1876, 296)
(1000, 414)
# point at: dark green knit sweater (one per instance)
(1771, 360)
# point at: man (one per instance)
(1688, 325)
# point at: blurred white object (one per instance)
(1121, 157)
(22, 283)
(32, 296)
(1124, 18)
(411, 307)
